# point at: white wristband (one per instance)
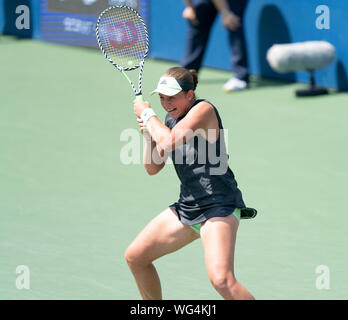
(147, 114)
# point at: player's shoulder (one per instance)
(202, 104)
(203, 107)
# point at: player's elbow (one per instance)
(153, 169)
(151, 172)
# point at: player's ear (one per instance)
(190, 94)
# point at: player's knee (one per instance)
(130, 256)
(223, 282)
(134, 258)
(219, 281)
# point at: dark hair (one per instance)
(183, 74)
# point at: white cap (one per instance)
(170, 86)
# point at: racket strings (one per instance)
(123, 37)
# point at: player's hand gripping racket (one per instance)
(123, 38)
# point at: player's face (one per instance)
(177, 105)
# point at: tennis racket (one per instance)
(123, 39)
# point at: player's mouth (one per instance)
(171, 110)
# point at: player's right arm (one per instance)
(152, 160)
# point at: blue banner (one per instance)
(73, 22)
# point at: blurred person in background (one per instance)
(201, 16)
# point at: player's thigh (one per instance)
(218, 238)
(164, 234)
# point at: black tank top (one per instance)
(208, 186)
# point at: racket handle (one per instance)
(139, 97)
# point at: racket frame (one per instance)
(137, 93)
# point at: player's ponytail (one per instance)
(194, 78)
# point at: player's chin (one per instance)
(174, 113)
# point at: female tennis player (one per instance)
(210, 203)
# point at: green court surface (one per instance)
(69, 206)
